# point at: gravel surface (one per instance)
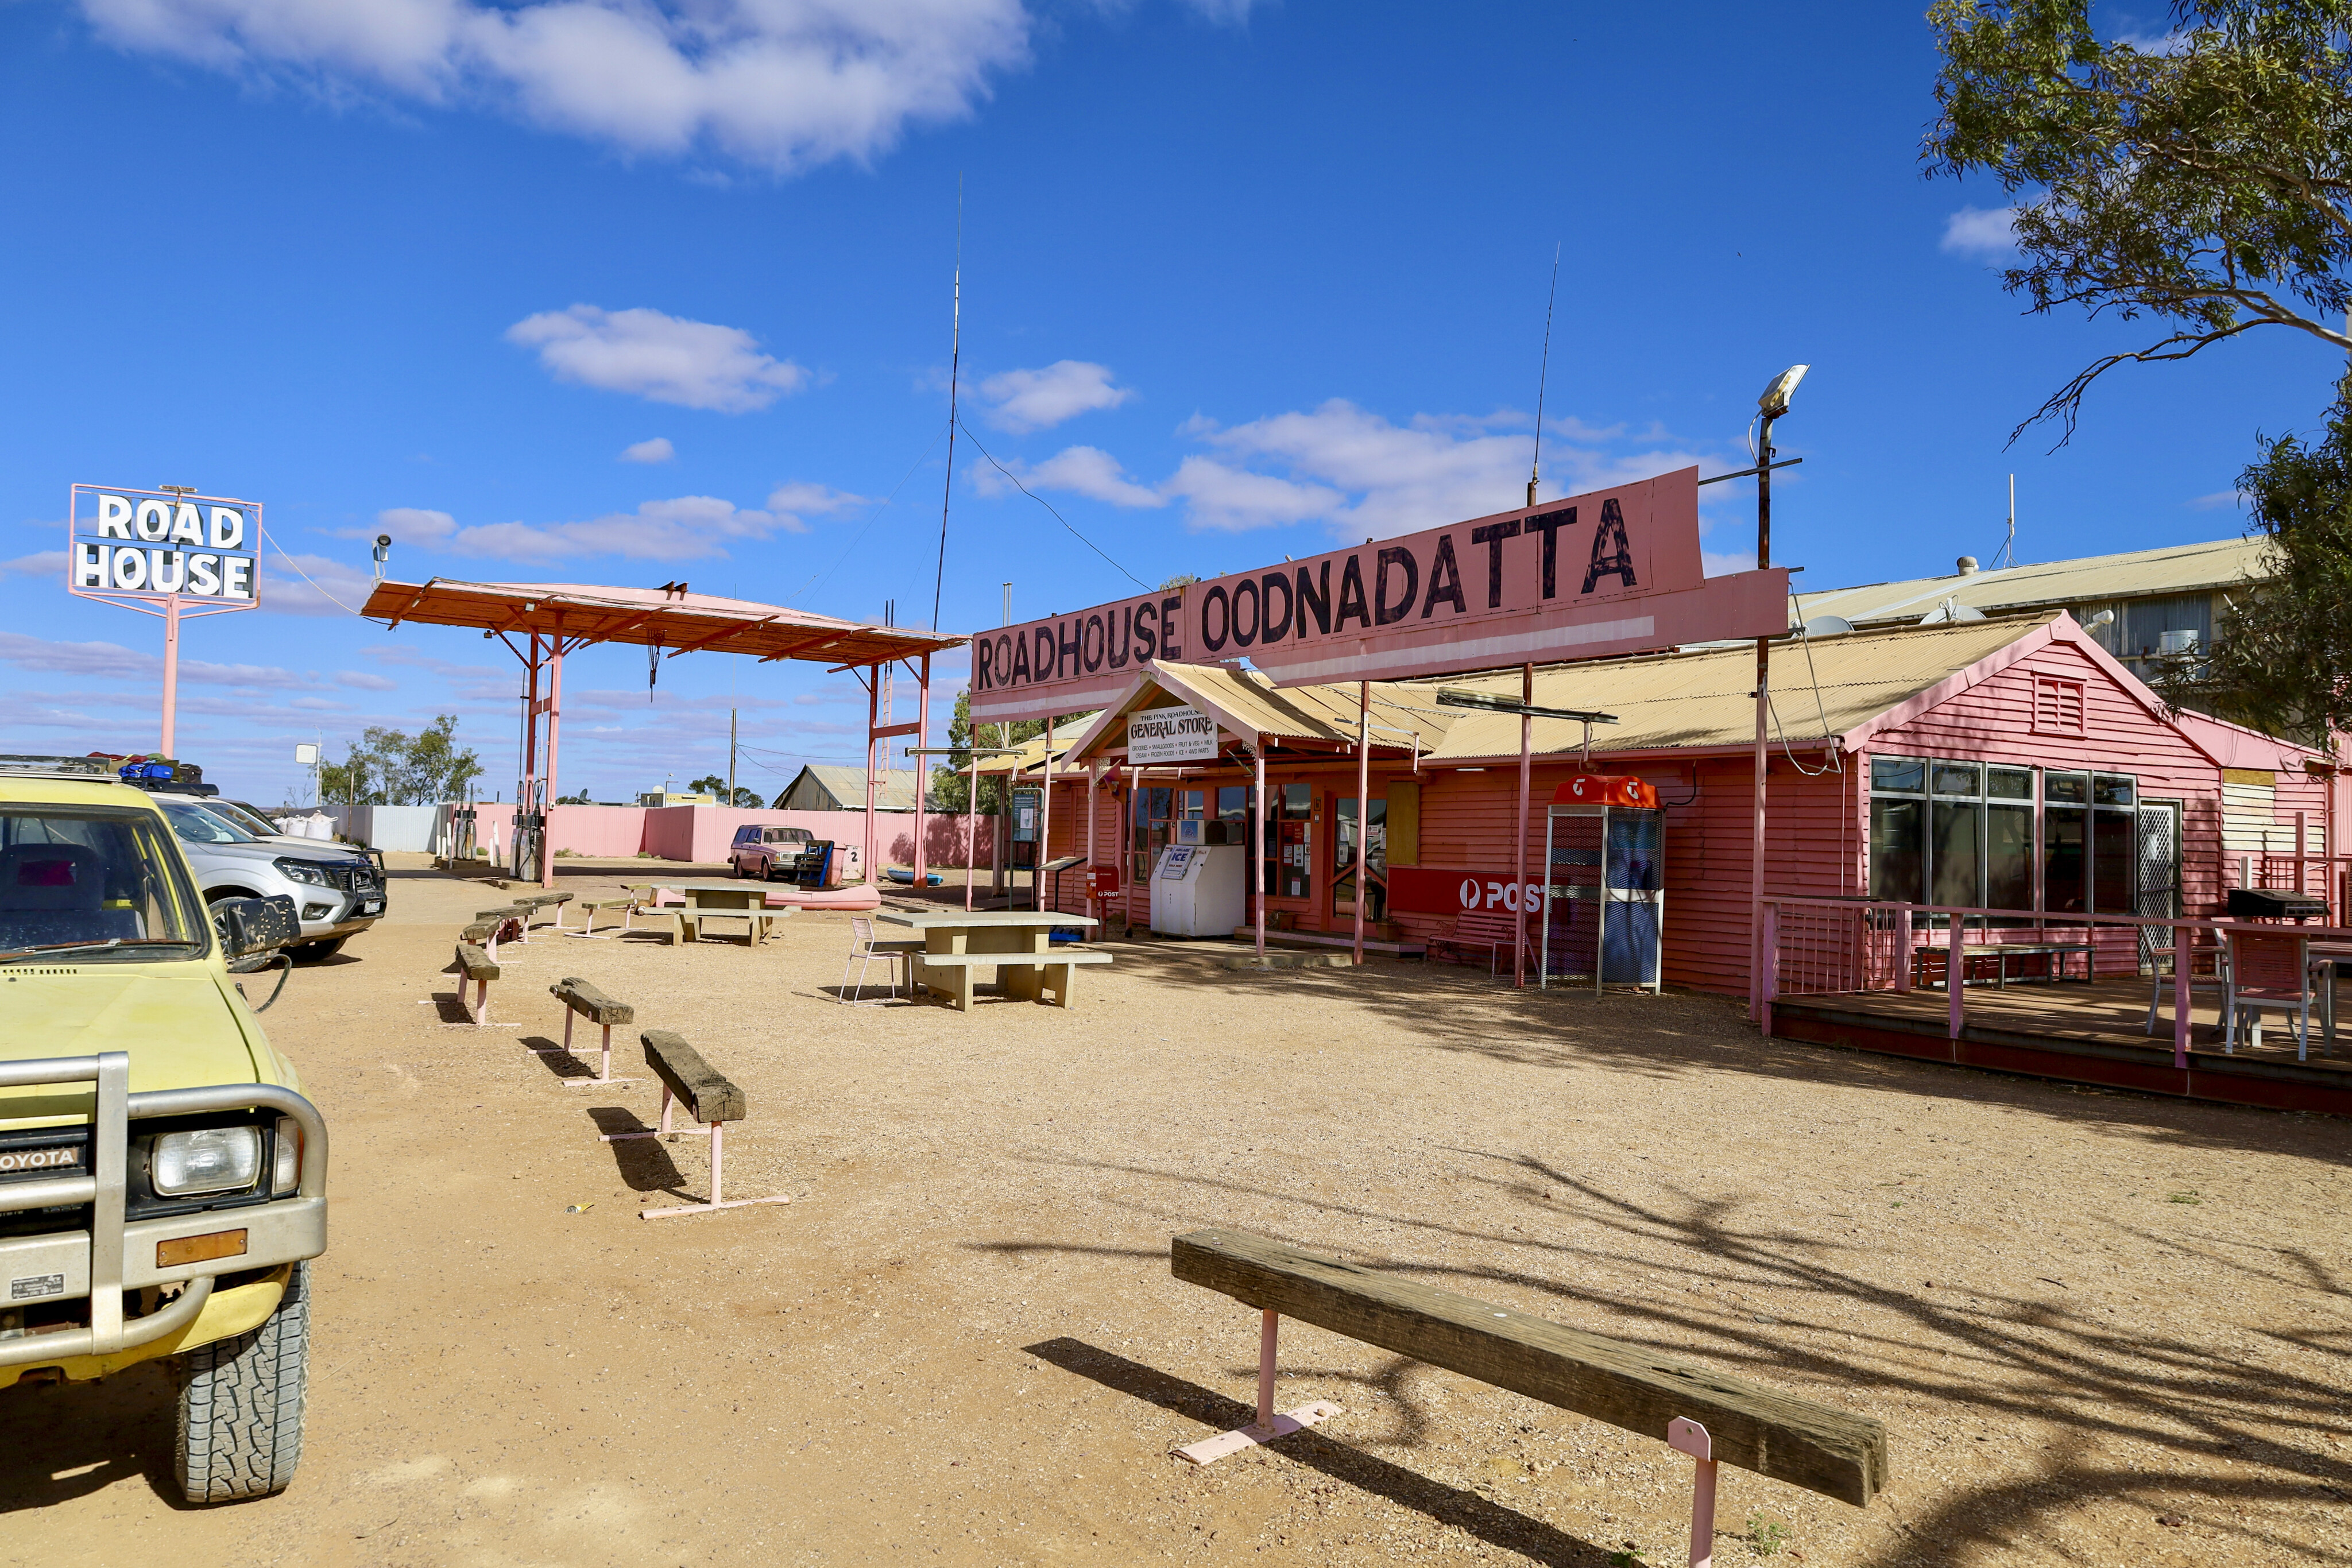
(2101, 1328)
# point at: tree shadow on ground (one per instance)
(2006, 1360)
(1482, 1517)
(1681, 1036)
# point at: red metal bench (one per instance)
(1492, 929)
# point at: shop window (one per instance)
(1290, 831)
(1344, 869)
(2058, 705)
(1963, 833)
(1147, 827)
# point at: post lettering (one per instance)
(1492, 536)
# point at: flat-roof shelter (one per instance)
(542, 622)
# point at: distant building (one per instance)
(2180, 592)
(676, 798)
(819, 787)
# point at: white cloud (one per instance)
(1035, 400)
(2217, 500)
(1233, 499)
(1087, 471)
(113, 661)
(1365, 476)
(365, 682)
(1981, 231)
(287, 593)
(1723, 563)
(664, 359)
(43, 563)
(408, 526)
(658, 450)
(687, 529)
(779, 84)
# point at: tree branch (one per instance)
(2065, 403)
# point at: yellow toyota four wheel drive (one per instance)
(162, 1180)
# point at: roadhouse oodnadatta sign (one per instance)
(1614, 571)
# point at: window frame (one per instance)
(1927, 797)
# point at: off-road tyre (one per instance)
(241, 1404)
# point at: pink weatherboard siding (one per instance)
(1820, 820)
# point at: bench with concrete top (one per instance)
(582, 999)
(1017, 944)
(702, 901)
(627, 904)
(709, 1096)
(1710, 1415)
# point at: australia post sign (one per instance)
(1615, 571)
(162, 545)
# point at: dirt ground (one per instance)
(2101, 1329)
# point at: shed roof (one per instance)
(847, 785)
(681, 621)
(2087, 580)
(1822, 688)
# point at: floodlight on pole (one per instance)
(382, 554)
(1772, 405)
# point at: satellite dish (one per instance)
(1949, 611)
(1828, 626)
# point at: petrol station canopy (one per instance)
(668, 618)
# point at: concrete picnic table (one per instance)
(1016, 942)
(745, 901)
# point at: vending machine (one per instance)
(1199, 890)
(1604, 885)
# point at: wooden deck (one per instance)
(2086, 1034)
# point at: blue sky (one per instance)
(576, 291)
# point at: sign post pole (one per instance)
(1258, 872)
(170, 672)
(1519, 866)
(1363, 809)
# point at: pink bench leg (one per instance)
(1268, 1425)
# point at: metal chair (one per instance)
(2218, 980)
(2268, 969)
(864, 950)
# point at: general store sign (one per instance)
(1615, 571)
(162, 545)
(1170, 735)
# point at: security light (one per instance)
(1775, 401)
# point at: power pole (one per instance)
(730, 756)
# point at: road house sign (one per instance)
(1157, 735)
(1615, 571)
(162, 545)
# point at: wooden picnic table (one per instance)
(1016, 942)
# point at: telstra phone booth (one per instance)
(1200, 889)
(1605, 884)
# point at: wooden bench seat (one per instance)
(592, 907)
(1800, 1441)
(476, 965)
(709, 1097)
(1495, 930)
(582, 999)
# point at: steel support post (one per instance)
(922, 768)
(1363, 809)
(1519, 864)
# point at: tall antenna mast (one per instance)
(955, 368)
(2009, 548)
(1543, 377)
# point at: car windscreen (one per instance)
(789, 836)
(199, 826)
(244, 817)
(104, 885)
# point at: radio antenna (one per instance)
(1543, 377)
(955, 367)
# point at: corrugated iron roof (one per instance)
(1822, 688)
(896, 793)
(2088, 579)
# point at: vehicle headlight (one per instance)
(286, 1168)
(210, 1159)
(301, 870)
